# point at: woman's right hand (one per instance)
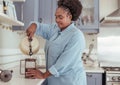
(31, 30)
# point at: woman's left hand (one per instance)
(35, 74)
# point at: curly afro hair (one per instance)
(74, 6)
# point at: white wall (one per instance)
(107, 7)
(9, 48)
(9, 39)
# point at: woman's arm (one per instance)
(44, 30)
(31, 30)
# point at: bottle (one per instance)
(4, 7)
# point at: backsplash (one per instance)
(91, 38)
(89, 56)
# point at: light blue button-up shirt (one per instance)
(63, 51)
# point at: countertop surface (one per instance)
(22, 81)
(93, 69)
(18, 79)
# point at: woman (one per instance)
(64, 46)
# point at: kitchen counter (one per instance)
(93, 69)
(22, 81)
(18, 79)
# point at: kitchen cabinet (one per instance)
(47, 11)
(44, 12)
(39, 10)
(8, 20)
(45, 7)
(27, 11)
(30, 11)
(87, 22)
(94, 78)
(89, 19)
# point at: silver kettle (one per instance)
(6, 75)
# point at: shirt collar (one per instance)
(71, 26)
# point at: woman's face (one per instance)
(63, 18)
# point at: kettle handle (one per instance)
(21, 67)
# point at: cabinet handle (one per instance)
(89, 75)
(40, 20)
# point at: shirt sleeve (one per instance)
(71, 54)
(44, 30)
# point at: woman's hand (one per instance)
(31, 30)
(35, 74)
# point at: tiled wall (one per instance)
(91, 38)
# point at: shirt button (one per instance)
(59, 33)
